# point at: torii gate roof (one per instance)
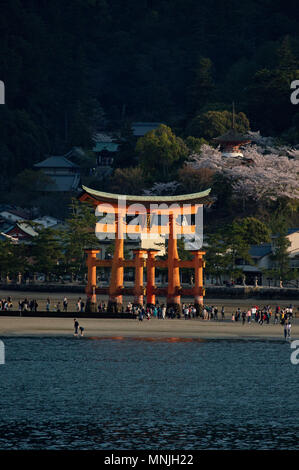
(193, 198)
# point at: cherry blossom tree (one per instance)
(160, 189)
(260, 174)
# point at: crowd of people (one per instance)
(6, 304)
(264, 314)
(255, 313)
(259, 314)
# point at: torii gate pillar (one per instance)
(117, 270)
(150, 273)
(198, 289)
(174, 286)
(91, 279)
(138, 287)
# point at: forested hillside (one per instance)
(72, 66)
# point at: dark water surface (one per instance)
(69, 393)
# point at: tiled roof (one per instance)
(64, 183)
(233, 136)
(258, 251)
(56, 162)
(111, 146)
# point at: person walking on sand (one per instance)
(289, 326)
(76, 326)
(285, 330)
(140, 314)
(222, 314)
(186, 312)
(81, 330)
(249, 316)
(216, 313)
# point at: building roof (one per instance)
(258, 251)
(27, 229)
(11, 216)
(104, 141)
(5, 236)
(292, 230)
(233, 136)
(46, 221)
(141, 128)
(15, 213)
(102, 137)
(56, 162)
(99, 146)
(64, 183)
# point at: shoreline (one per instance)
(230, 304)
(153, 329)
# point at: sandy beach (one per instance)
(153, 328)
(230, 305)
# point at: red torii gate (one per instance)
(121, 206)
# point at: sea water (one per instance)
(119, 394)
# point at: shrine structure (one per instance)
(231, 141)
(122, 216)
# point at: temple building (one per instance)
(64, 174)
(231, 141)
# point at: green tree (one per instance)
(182, 252)
(13, 258)
(280, 257)
(216, 262)
(236, 249)
(30, 181)
(231, 245)
(268, 93)
(215, 123)
(128, 180)
(252, 230)
(159, 151)
(203, 85)
(126, 153)
(80, 234)
(46, 251)
(194, 144)
(195, 180)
